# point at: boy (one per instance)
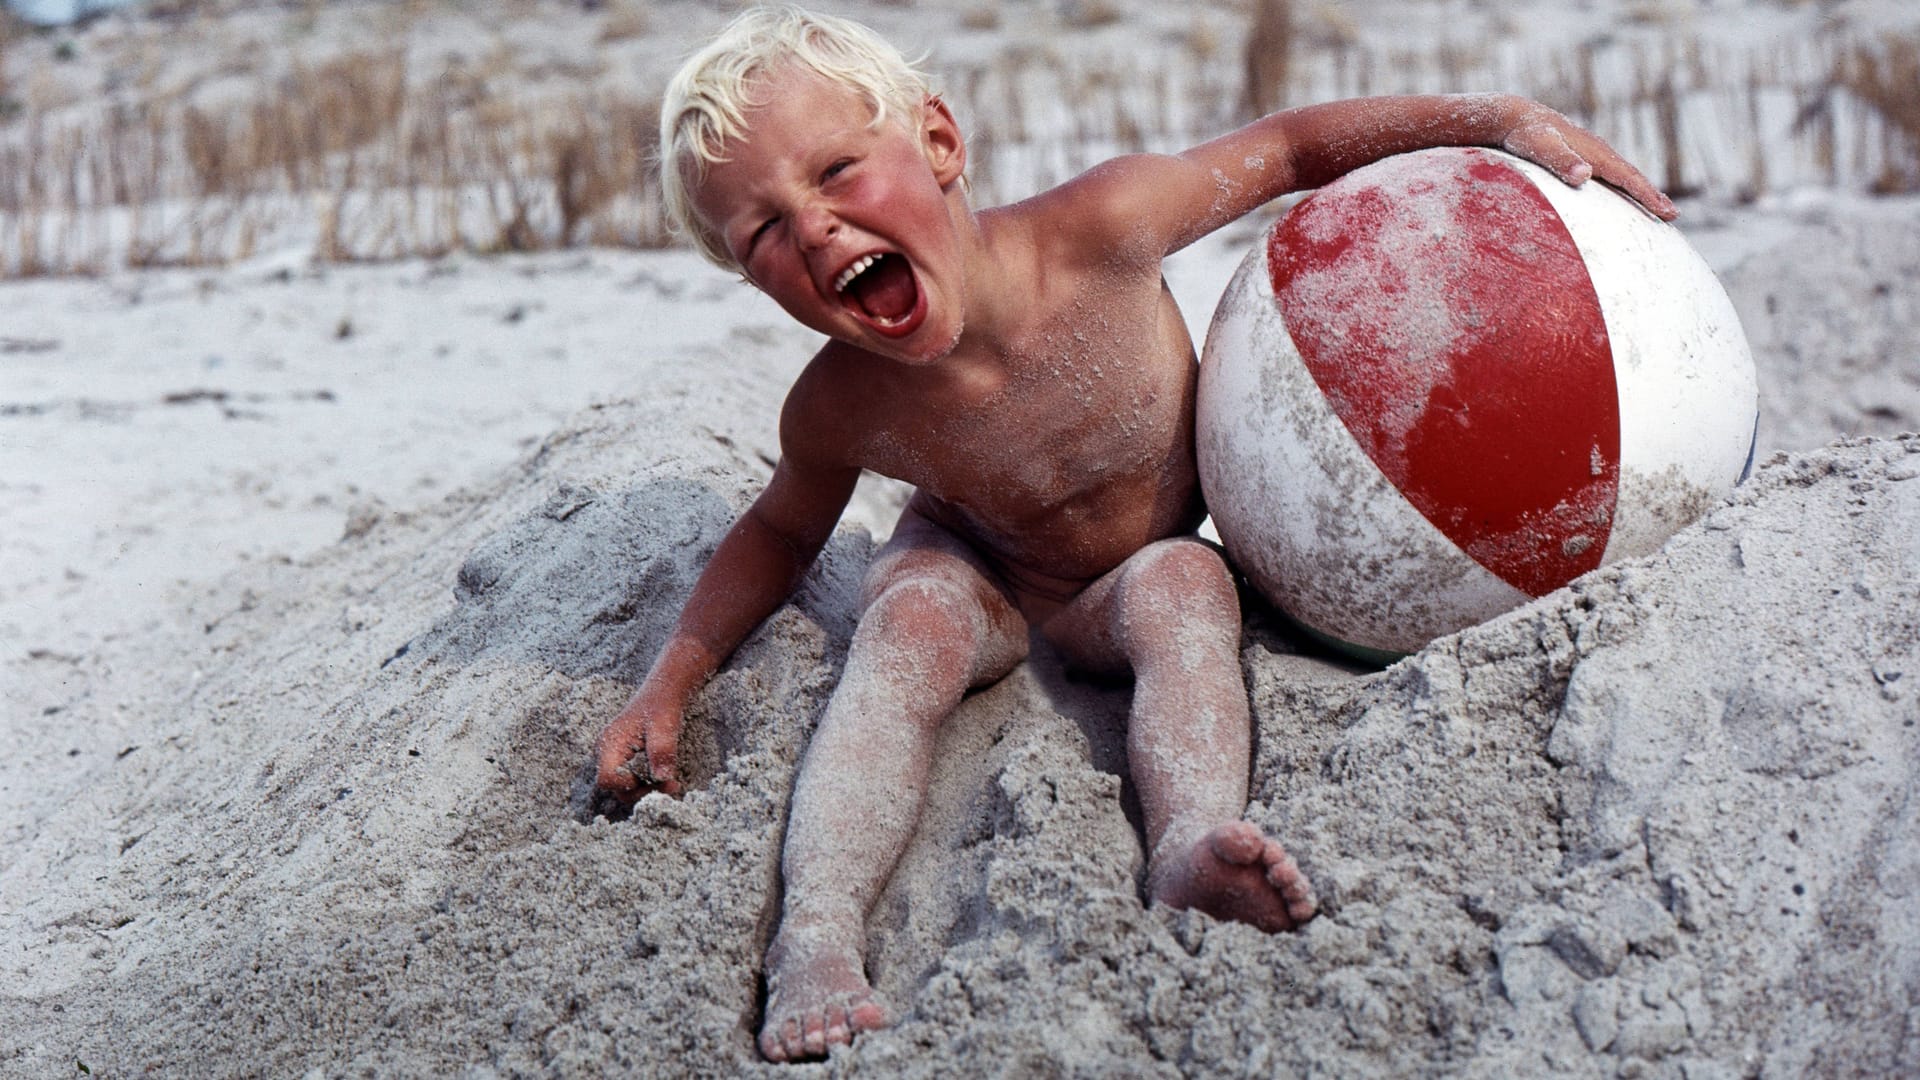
(1026, 369)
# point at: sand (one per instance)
(304, 637)
(315, 813)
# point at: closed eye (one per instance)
(836, 168)
(765, 227)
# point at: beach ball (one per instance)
(1448, 383)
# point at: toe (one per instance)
(779, 1041)
(1300, 902)
(1282, 871)
(837, 1031)
(1239, 843)
(1297, 892)
(1295, 889)
(792, 1039)
(866, 1016)
(815, 1042)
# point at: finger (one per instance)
(1549, 149)
(1615, 170)
(619, 787)
(613, 776)
(658, 767)
(1634, 185)
(663, 759)
(611, 751)
(1643, 192)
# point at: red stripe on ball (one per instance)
(1445, 312)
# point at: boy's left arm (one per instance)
(1186, 196)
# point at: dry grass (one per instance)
(981, 17)
(380, 167)
(1700, 117)
(1649, 13)
(371, 160)
(1886, 76)
(1202, 39)
(8, 29)
(318, 118)
(1269, 57)
(1087, 14)
(625, 21)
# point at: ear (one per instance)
(941, 141)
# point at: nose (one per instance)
(815, 225)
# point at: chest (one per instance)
(1099, 392)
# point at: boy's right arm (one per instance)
(752, 572)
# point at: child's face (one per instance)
(848, 226)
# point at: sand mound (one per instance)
(1829, 301)
(1665, 815)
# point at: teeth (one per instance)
(859, 267)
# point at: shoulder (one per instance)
(1130, 207)
(822, 421)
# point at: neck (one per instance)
(997, 288)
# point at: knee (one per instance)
(1180, 593)
(933, 616)
(923, 606)
(1182, 574)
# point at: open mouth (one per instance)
(882, 290)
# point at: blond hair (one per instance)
(706, 102)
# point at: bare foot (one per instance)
(817, 996)
(1233, 872)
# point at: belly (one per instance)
(1063, 546)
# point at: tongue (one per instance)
(886, 290)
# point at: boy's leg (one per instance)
(1170, 614)
(935, 623)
